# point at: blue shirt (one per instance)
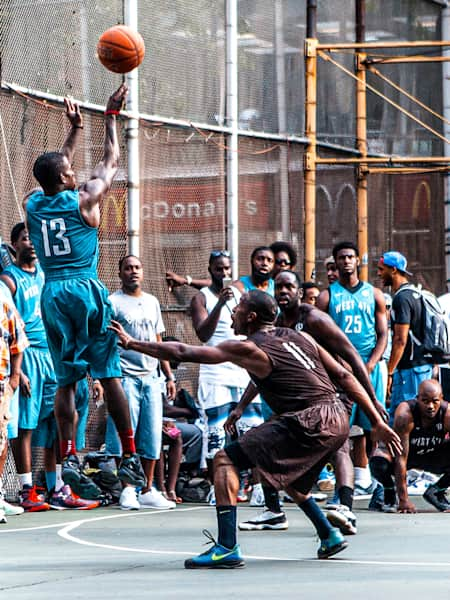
(353, 311)
(249, 285)
(67, 247)
(29, 285)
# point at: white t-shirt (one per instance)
(224, 373)
(141, 317)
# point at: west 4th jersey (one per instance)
(28, 301)
(353, 311)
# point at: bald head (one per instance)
(429, 397)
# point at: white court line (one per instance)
(65, 533)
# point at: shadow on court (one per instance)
(108, 553)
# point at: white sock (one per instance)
(363, 476)
(59, 480)
(25, 479)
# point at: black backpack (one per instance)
(434, 344)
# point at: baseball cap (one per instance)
(396, 260)
(329, 260)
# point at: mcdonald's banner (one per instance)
(188, 205)
(412, 201)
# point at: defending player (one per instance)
(310, 422)
(63, 225)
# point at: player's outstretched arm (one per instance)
(349, 383)
(403, 424)
(76, 121)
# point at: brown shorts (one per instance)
(291, 449)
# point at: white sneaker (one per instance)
(211, 497)
(342, 517)
(128, 499)
(257, 498)
(154, 499)
(2, 516)
(9, 509)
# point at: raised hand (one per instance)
(73, 113)
(117, 99)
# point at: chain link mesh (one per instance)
(49, 46)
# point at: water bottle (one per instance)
(5, 256)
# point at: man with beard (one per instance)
(407, 367)
(140, 315)
(423, 425)
(359, 310)
(262, 262)
(219, 386)
(301, 316)
(295, 375)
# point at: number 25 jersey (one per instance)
(67, 247)
(353, 311)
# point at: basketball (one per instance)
(120, 49)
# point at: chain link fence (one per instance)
(47, 47)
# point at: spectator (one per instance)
(13, 342)
(221, 386)
(140, 314)
(310, 292)
(285, 257)
(330, 266)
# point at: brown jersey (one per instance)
(298, 378)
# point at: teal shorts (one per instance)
(358, 416)
(46, 433)
(37, 365)
(76, 314)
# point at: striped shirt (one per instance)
(13, 339)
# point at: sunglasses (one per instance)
(217, 253)
(282, 261)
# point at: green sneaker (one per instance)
(217, 557)
(334, 543)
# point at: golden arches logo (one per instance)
(422, 191)
(113, 209)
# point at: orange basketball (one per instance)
(120, 49)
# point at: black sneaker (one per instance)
(130, 471)
(82, 485)
(265, 520)
(437, 498)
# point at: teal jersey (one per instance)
(248, 285)
(67, 247)
(27, 299)
(353, 311)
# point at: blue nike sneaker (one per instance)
(217, 557)
(334, 543)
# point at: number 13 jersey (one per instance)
(67, 247)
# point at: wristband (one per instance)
(112, 111)
(170, 378)
(188, 279)
(77, 126)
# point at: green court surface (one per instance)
(108, 553)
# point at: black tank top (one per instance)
(298, 378)
(423, 440)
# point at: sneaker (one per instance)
(265, 520)
(2, 516)
(130, 471)
(66, 499)
(217, 557)
(363, 493)
(437, 498)
(154, 499)
(242, 495)
(326, 481)
(73, 476)
(419, 486)
(377, 500)
(10, 510)
(211, 497)
(334, 543)
(31, 501)
(128, 499)
(342, 517)
(389, 508)
(257, 498)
